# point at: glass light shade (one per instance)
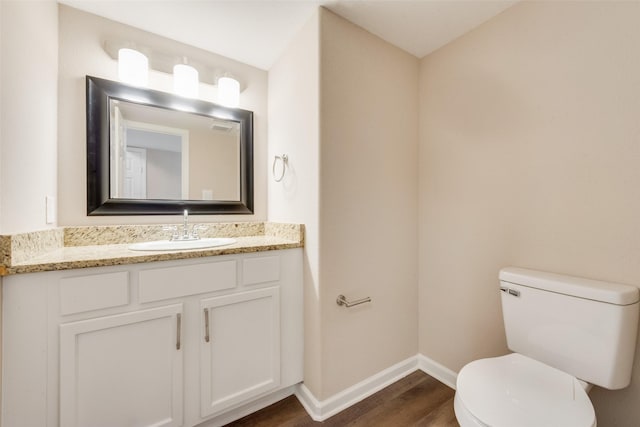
(228, 91)
(133, 67)
(185, 80)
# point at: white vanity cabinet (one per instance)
(120, 370)
(243, 361)
(173, 343)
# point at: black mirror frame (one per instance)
(99, 92)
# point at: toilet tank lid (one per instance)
(608, 292)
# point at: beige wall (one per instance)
(81, 37)
(529, 156)
(368, 206)
(214, 160)
(294, 131)
(28, 121)
(352, 179)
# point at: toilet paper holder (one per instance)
(342, 300)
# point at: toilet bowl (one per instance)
(560, 328)
(517, 391)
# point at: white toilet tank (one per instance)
(586, 328)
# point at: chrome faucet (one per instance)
(185, 225)
(186, 233)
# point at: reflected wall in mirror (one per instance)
(161, 154)
(151, 152)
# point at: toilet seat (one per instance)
(515, 390)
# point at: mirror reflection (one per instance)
(163, 154)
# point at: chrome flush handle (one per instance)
(514, 292)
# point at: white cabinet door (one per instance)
(124, 370)
(240, 352)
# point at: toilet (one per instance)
(567, 334)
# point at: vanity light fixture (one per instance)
(133, 67)
(185, 80)
(228, 91)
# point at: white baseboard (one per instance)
(437, 371)
(321, 410)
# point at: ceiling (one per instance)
(257, 32)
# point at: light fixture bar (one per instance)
(160, 58)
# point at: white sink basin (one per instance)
(179, 245)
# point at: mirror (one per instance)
(154, 153)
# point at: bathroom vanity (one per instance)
(162, 343)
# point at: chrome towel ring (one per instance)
(284, 159)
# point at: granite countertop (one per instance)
(83, 247)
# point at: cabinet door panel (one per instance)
(123, 370)
(242, 358)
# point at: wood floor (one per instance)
(416, 400)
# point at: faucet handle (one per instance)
(196, 227)
(173, 228)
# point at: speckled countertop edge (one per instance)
(49, 250)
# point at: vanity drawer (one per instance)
(172, 282)
(93, 292)
(260, 270)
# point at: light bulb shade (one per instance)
(133, 67)
(185, 80)
(228, 91)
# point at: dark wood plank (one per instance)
(287, 412)
(415, 400)
(409, 407)
(376, 400)
(442, 416)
